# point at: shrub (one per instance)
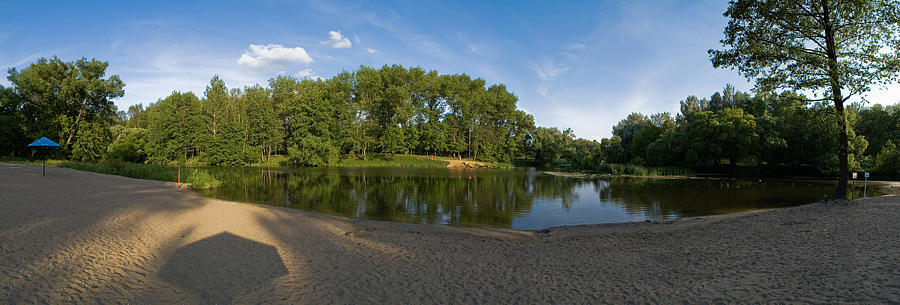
(201, 180)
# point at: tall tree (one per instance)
(835, 48)
(62, 99)
(264, 130)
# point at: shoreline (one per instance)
(885, 187)
(83, 237)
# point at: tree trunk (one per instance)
(75, 127)
(840, 192)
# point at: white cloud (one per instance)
(272, 57)
(308, 73)
(371, 50)
(337, 40)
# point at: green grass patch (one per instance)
(637, 170)
(274, 161)
(196, 178)
(125, 169)
(27, 161)
(386, 160)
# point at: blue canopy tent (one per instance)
(44, 142)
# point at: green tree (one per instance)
(887, 163)
(627, 128)
(690, 106)
(68, 102)
(264, 131)
(612, 150)
(173, 126)
(835, 48)
(879, 124)
(551, 144)
(11, 126)
(129, 145)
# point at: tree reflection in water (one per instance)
(518, 199)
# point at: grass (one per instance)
(274, 161)
(386, 160)
(125, 169)
(196, 178)
(637, 170)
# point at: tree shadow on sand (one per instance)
(222, 266)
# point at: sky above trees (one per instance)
(575, 64)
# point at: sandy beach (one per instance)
(73, 236)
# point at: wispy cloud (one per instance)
(472, 47)
(547, 69)
(337, 40)
(575, 46)
(272, 57)
(371, 50)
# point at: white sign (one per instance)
(854, 175)
(867, 174)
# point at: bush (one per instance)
(201, 180)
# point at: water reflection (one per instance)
(518, 199)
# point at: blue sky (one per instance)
(578, 64)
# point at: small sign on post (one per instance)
(853, 188)
(865, 184)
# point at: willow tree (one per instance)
(836, 49)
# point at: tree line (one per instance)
(735, 132)
(398, 110)
(389, 110)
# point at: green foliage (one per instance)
(391, 110)
(385, 160)
(173, 128)
(834, 48)
(69, 102)
(612, 150)
(94, 139)
(550, 144)
(200, 179)
(119, 168)
(128, 145)
(887, 163)
(197, 178)
(638, 170)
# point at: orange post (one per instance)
(179, 174)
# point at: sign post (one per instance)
(853, 188)
(865, 184)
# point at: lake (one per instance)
(522, 199)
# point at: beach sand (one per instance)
(82, 237)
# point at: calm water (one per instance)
(516, 199)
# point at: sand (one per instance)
(82, 237)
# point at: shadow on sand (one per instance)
(221, 266)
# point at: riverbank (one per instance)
(83, 237)
(885, 187)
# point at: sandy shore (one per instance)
(91, 238)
